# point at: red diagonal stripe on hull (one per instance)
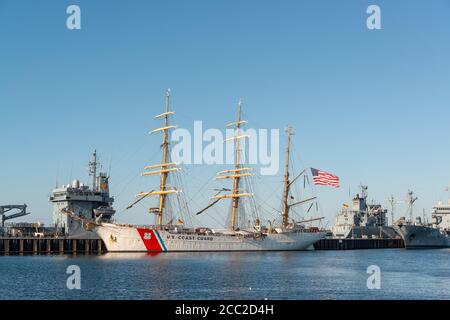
(150, 239)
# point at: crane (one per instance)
(4, 209)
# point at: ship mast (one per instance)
(237, 173)
(237, 152)
(287, 185)
(164, 168)
(411, 200)
(93, 170)
(285, 211)
(162, 187)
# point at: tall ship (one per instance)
(170, 233)
(362, 219)
(76, 203)
(419, 234)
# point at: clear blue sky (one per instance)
(370, 106)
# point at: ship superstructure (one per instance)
(169, 233)
(419, 234)
(440, 216)
(75, 203)
(362, 219)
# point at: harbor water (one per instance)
(404, 274)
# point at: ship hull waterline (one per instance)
(141, 239)
(422, 237)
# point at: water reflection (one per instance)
(423, 274)
(128, 255)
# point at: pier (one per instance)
(13, 245)
(355, 244)
(20, 246)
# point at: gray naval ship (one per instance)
(74, 204)
(418, 234)
(362, 219)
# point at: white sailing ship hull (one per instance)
(118, 238)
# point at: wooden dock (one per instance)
(355, 244)
(50, 246)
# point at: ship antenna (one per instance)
(57, 177)
(93, 165)
(110, 167)
(285, 211)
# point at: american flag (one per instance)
(324, 178)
